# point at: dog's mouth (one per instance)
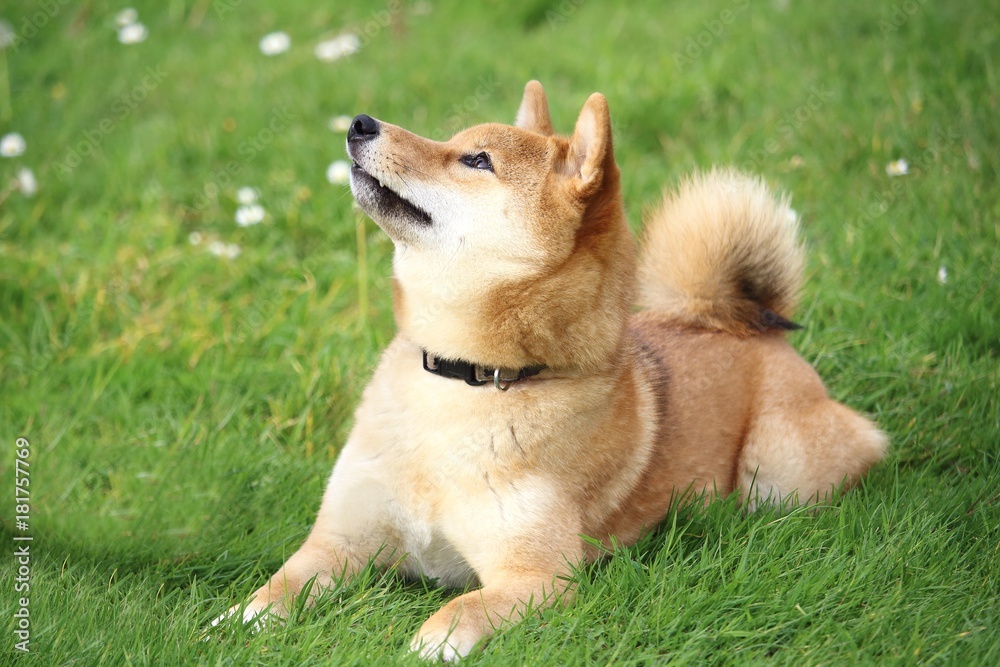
(381, 201)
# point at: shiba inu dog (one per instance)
(523, 405)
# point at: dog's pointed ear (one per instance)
(533, 114)
(590, 147)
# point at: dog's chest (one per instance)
(453, 461)
(432, 555)
(448, 497)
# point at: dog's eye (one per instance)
(478, 161)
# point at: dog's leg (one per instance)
(352, 528)
(316, 560)
(533, 538)
(802, 453)
(460, 625)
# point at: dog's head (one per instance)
(511, 243)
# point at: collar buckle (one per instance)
(474, 375)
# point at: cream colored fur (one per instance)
(531, 262)
(719, 249)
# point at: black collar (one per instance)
(477, 375)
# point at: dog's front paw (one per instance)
(447, 644)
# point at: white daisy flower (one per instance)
(133, 33)
(340, 123)
(224, 250)
(339, 172)
(126, 17)
(7, 34)
(26, 182)
(249, 215)
(12, 145)
(898, 167)
(247, 195)
(338, 47)
(194, 238)
(274, 43)
(942, 274)
(217, 248)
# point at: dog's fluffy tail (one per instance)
(721, 253)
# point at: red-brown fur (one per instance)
(532, 263)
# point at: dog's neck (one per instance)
(570, 318)
(476, 375)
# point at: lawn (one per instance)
(185, 383)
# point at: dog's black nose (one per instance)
(363, 127)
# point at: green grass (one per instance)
(184, 410)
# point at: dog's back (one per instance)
(720, 272)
